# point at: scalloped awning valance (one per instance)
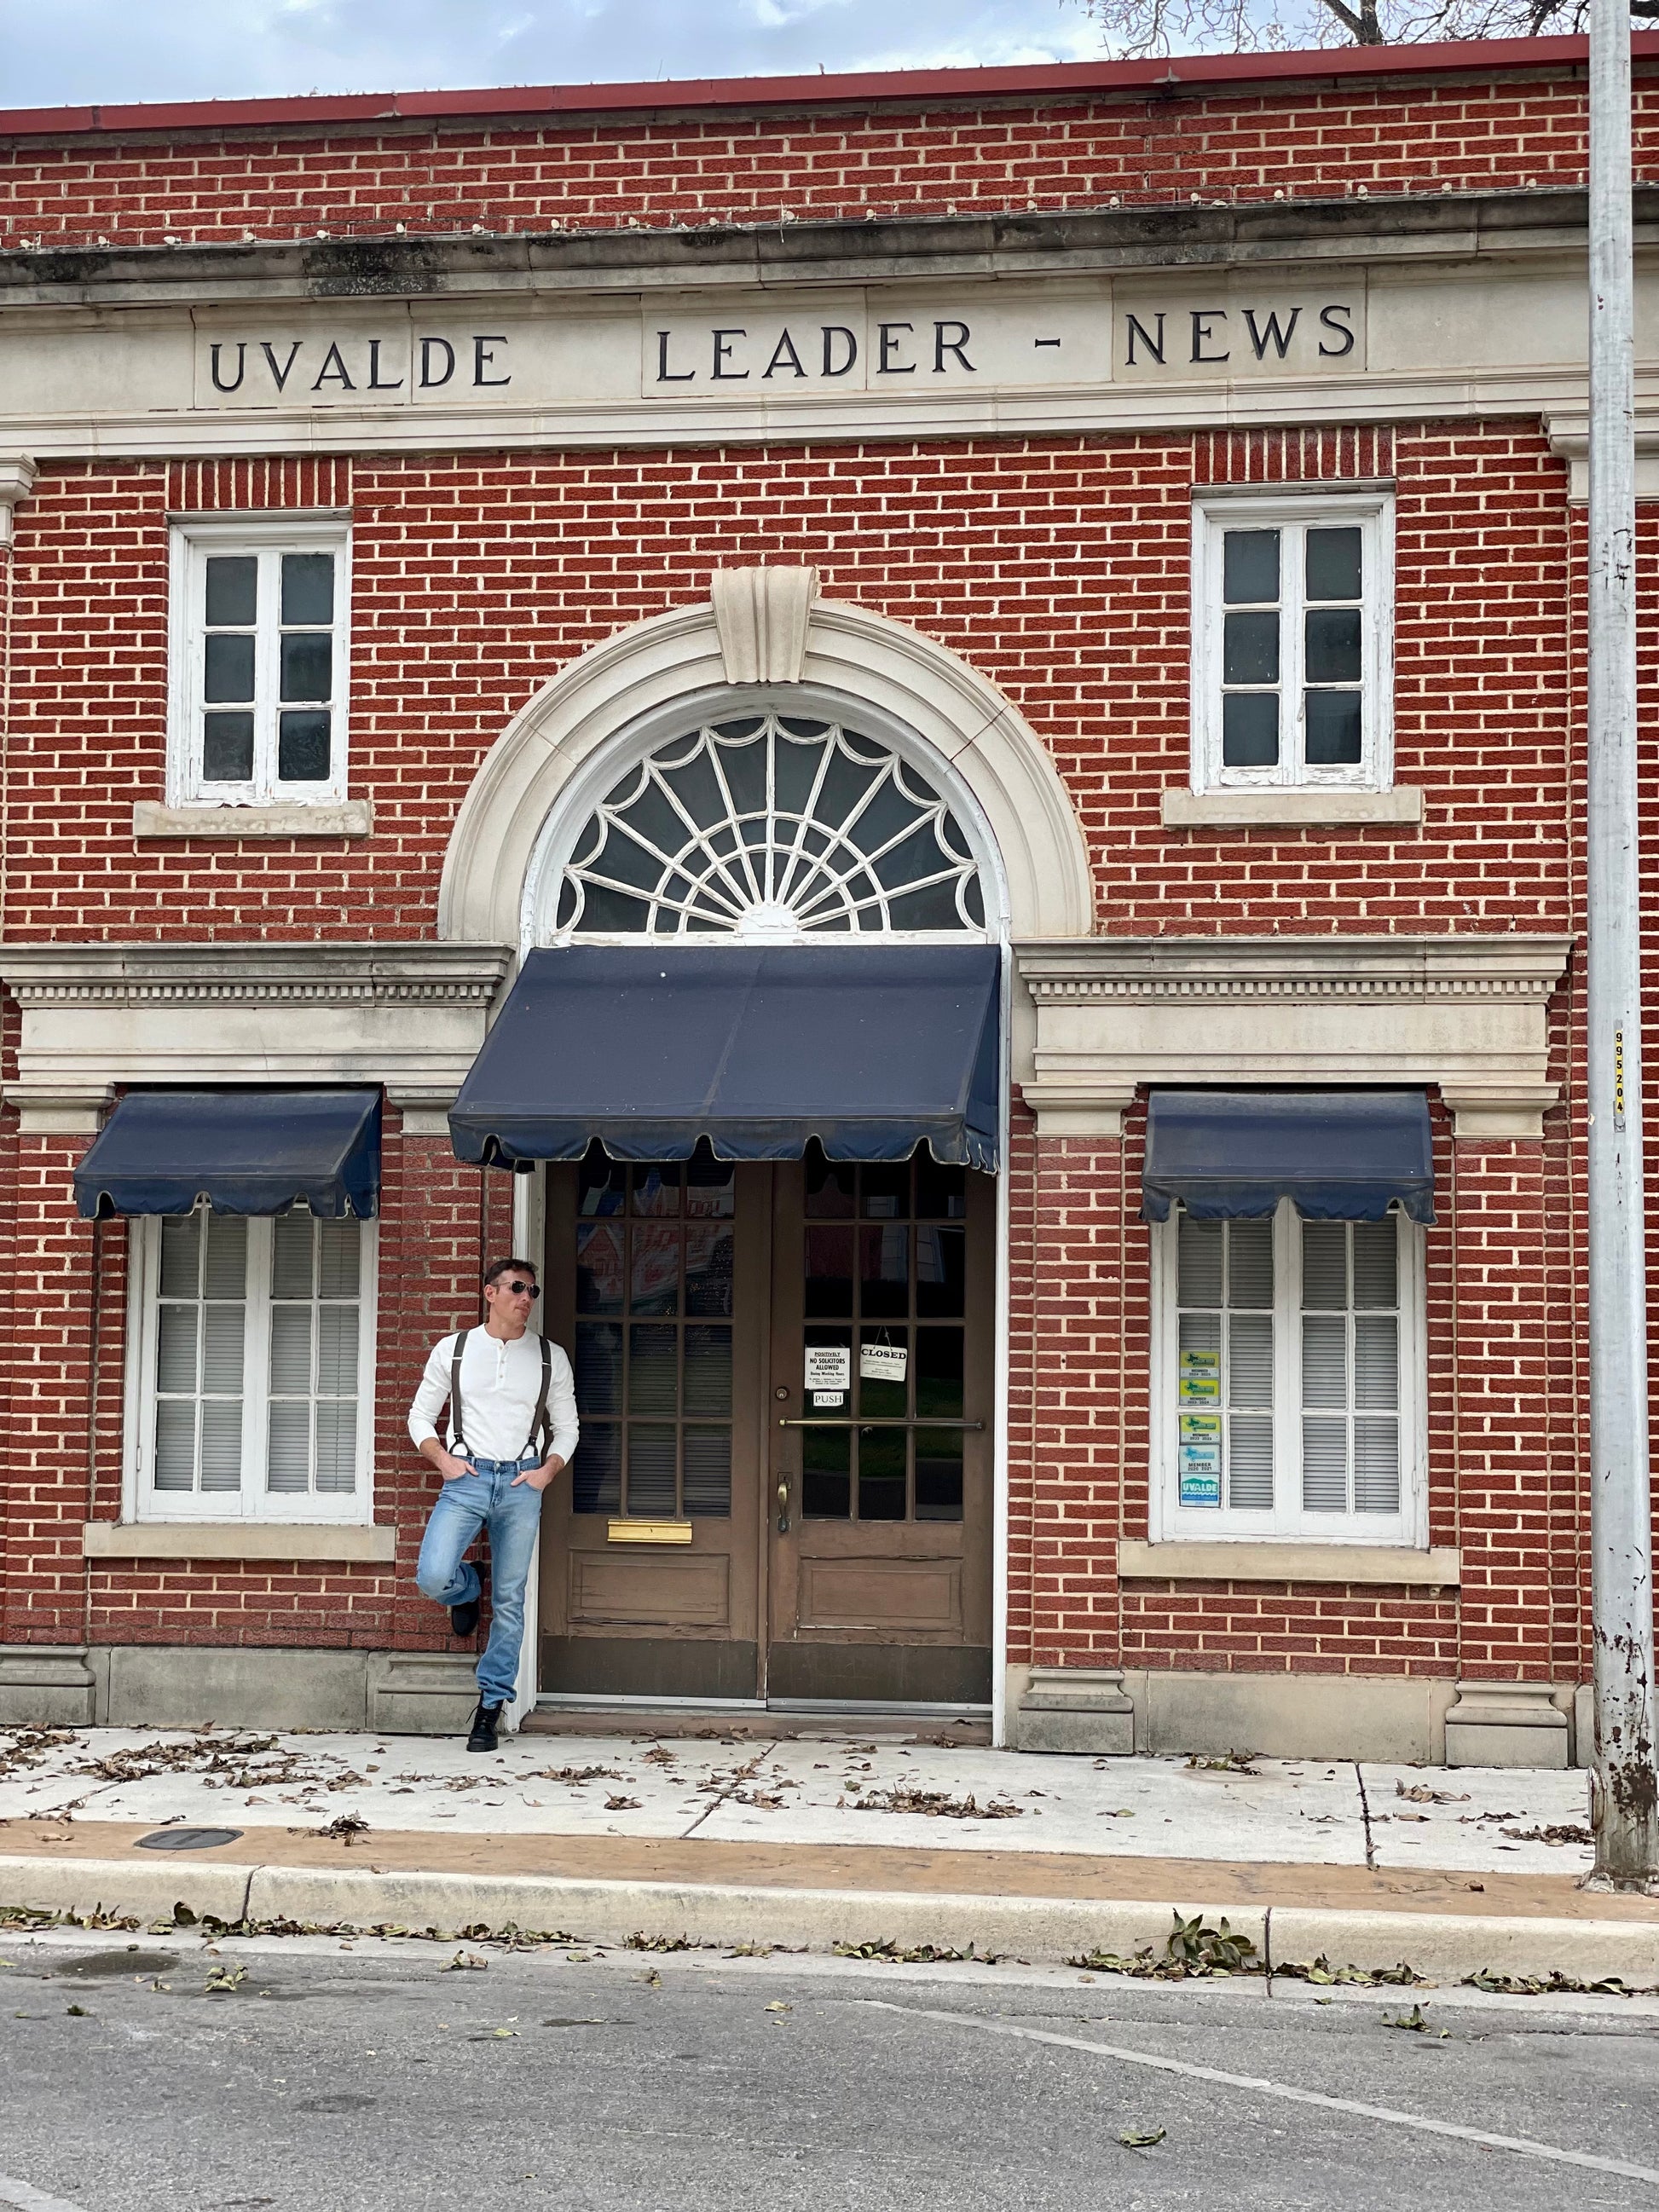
(871, 1048)
(1337, 1155)
(244, 1151)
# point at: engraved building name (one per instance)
(875, 345)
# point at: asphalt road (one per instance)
(375, 2078)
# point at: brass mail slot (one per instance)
(649, 1532)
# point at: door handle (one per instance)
(783, 1509)
(850, 1421)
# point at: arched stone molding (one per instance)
(932, 691)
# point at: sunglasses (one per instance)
(518, 1289)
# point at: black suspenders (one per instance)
(539, 1420)
(461, 1335)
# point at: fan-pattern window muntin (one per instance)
(260, 689)
(886, 1285)
(1290, 630)
(256, 1388)
(654, 1248)
(771, 826)
(1291, 1378)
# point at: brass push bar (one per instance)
(920, 1422)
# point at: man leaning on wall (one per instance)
(512, 1431)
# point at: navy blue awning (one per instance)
(1340, 1154)
(245, 1151)
(871, 1048)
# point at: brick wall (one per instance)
(44, 1451)
(1059, 568)
(438, 1222)
(1084, 1459)
(939, 158)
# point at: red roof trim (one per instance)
(1043, 81)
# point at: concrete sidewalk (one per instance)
(823, 1840)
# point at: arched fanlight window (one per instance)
(773, 826)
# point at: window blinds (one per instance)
(1287, 1368)
(257, 1357)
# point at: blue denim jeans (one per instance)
(487, 1500)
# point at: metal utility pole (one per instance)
(1626, 1814)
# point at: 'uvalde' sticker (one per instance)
(1200, 1468)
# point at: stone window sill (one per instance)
(1246, 1562)
(1289, 810)
(235, 1539)
(349, 818)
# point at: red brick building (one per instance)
(975, 679)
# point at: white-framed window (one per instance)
(1293, 640)
(1288, 1367)
(251, 1370)
(259, 674)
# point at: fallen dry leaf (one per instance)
(937, 1804)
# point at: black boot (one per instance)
(485, 1723)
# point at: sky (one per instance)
(54, 52)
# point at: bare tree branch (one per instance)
(1141, 27)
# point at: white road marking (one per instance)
(1521, 2144)
(29, 2199)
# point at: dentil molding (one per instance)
(1467, 1013)
(94, 1016)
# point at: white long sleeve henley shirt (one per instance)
(501, 1382)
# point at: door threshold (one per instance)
(873, 1708)
(590, 1701)
(723, 1719)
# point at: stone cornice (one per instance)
(1568, 431)
(1292, 968)
(1390, 226)
(410, 1016)
(1464, 1013)
(202, 975)
(17, 474)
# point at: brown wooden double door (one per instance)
(785, 1375)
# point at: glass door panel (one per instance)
(896, 1276)
(653, 1393)
(657, 1275)
(883, 1376)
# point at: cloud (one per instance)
(116, 51)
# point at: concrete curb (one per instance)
(124, 1887)
(1447, 1945)
(1444, 1946)
(709, 1913)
